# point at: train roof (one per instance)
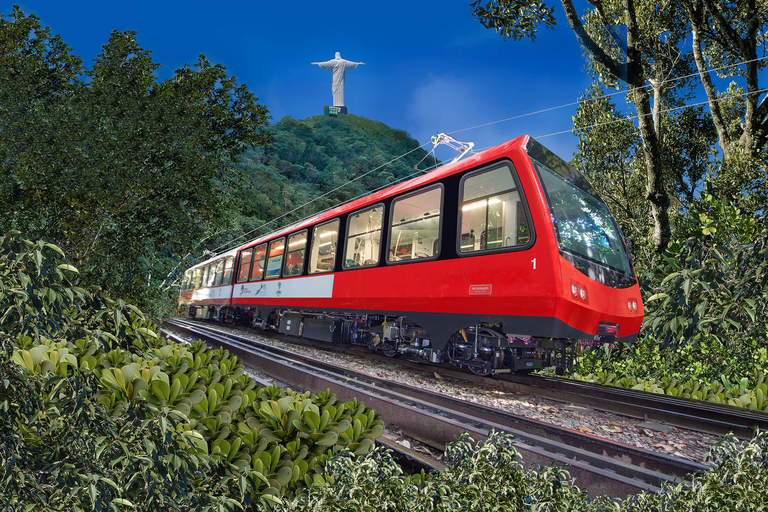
(489, 155)
(231, 252)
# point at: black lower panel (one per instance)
(440, 326)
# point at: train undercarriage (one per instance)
(484, 349)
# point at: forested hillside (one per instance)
(347, 155)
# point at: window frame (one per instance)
(240, 265)
(224, 280)
(282, 258)
(287, 251)
(381, 236)
(314, 240)
(523, 199)
(204, 278)
(434, 186)
(214, 280)
(251, 275)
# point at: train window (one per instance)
(213, 269)
(204, 280)
(245, 266)
(275, 261)
(198, 278)
(492, 214)
(323, 253)
(415, 228)
(294, 257)
(227, 274)
(364, 238)
(259, 257)
(185, 282)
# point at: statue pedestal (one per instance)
(333, 111)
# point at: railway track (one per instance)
(701, 416)
(707, 417)
(598, 465)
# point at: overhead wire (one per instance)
(579, 102)
(607, 95)
(320, 197)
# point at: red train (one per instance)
(497, 262)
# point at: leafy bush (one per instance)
(482, 477)
(713, 283)
(735, 483)
(98, 403)
(487, 477)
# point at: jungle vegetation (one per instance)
(133, 178)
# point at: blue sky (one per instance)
(430, 67)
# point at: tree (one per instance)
(658, 69)
(726, 37)
(607, 155)
(616, 60)
(126, 173)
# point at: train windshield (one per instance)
(587, 234)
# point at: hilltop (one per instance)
(314, 156)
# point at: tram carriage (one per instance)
(494, 262)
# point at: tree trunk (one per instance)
(656, 193)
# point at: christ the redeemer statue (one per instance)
(338, 66)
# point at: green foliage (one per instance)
(99, 412)
(713, 283)
(124, 172)
(736, 482)
(314, 156)
(514, 19)
(486, 476)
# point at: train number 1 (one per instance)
(534, 263)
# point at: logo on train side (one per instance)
(244, 289)
(481, 289)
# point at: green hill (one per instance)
(344, 157)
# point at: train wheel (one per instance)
(480, 370)
(389, 349)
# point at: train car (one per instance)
(497, 263)
(206, 290)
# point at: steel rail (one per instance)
(698, 415)
(599, 465)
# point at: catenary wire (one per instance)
(227, 244)
(596, 125)
(608, 95)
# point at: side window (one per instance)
(245, 265)
(275, 261)
(324, 241)
(228, 267)
(294, 256)
(415, 226)
(259, 257)
(204, 280)
(198, 278)
(363, 238)
(185, 282)
(212, 273)
(492, 213)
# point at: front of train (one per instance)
(599, 296)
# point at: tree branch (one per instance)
(597, 53)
